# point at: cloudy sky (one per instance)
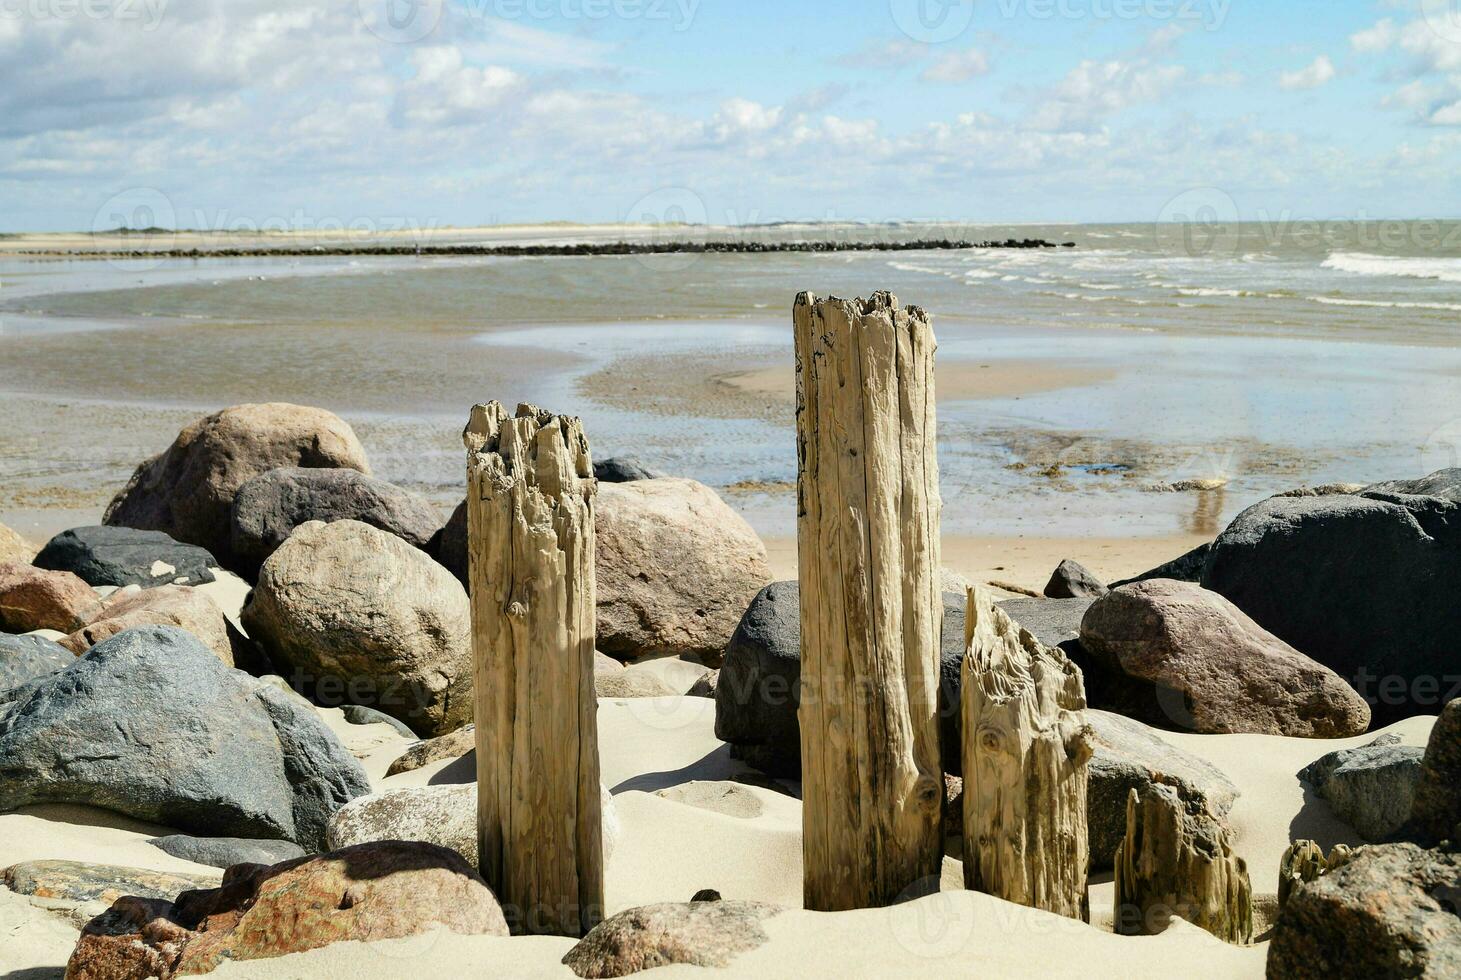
(267, 113)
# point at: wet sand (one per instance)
(953, 381)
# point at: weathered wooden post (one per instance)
(868, 554)
(530, 520)
(1304, 862)
(1026, 746)
(1177, 860)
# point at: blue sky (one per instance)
(265, 113)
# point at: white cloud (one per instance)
(1380, 37)
(1319, 72)
(957, 66)
(1449, 115)
(1095, 90)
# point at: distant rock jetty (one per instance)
(580, 248)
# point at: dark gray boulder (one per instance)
(150, 724)
(1394, 910)
(1364, 584)
(756, 693)
(269, 507)
(1072, 580)
(1129, 755)
(105, 555)
(359, 714)
(624, 469)
(1371, 787)
(449, 545)
(1054, 622)
(1445, 484)
(225, 852)
(756, 697)
(24, 658)
(1436, 815)
(1184, 568)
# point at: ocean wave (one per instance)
(1365, 264)
(1385, 304)
(910, 267)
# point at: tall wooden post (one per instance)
(1026, 749)
(868, 552)
(530, 519)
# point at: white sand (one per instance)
(671, 848)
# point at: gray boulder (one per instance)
(152, 725)
(1183, 568)
(1129, 755)
(623, 469)
(1361, 583)
(441, 815)
(269, 507)
(102, 555)
(24, 658)
(1436, 815)
(359, 714)
(1394, 910)
(1054, 622)
(756, 692)
(1072, 580)
(225, 852)
(1371, 787)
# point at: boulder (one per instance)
(1361, 583)
(38, 599)
(675, 569)
(24, 658)
(357, 616)
(13, 547)
(630, 684)
(1128, 755)
(385, 890)
(1054, 622)
(1445, 484)
(623, 469)
(1394, 910)
(1072, 580)
(756, 697)
(452, 745)
(188, 490)
(1436, 814)
(442, 815)
(705, 934)
(1184, 568)
(1208, 668)
(705, 686)
(102, 555)
(1371, 787)
(756, 691)
(165, 605)
(152, 725)
(224, 852)
(268, 508)
(75, 881)
(359, 714)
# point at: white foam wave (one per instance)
(1365, 264)
(1385, 304)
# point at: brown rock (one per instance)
(75, 881)
(384, 890)
(630, 684)
(188, 490)
(1209, 668)
(358, 616)
(676, 569)
(453, 745)
(1392, 910)
(704, 933)
(35, 599)
(165, 605)
(1436, 813)
(13, 547)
